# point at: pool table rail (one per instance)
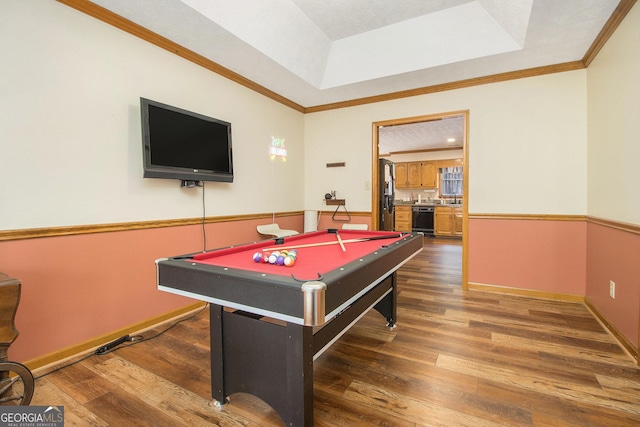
(285, 297)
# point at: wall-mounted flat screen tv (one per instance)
(180, 144)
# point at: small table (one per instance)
(268, 323)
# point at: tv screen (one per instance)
(180, 144)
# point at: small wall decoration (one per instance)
(277, 149)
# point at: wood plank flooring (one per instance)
(455, 359)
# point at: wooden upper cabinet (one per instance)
(450, 163)
(416, 175)
(402, 175)
(428, 174)
(413, 171)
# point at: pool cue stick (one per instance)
(311, 245)
(340, 241)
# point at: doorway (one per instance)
(375, 179)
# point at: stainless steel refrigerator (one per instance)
(386, 194)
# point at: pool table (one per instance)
(270, 322)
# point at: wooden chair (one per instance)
(275, 230)
(9, 300)
(16, 380)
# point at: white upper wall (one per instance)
(70, 139)
(527, 145)
(71, 150)
(614, 125)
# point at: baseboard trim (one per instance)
(624, 342)
(525, 292)
(47, 363)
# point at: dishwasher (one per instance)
(422, 219)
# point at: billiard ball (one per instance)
(257, 257)
(289, 261)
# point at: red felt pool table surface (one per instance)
(310, 261)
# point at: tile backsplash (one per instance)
(412, 195)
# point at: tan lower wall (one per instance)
(536, 254)
(78, 287)
(613, 254)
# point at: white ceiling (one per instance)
(428, 135)
(318, 52)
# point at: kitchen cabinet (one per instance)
(402, 175)
(443, 221)
(413, 172)
(457, 221)
(428, 174)
(448, 221)
(403, 218)
(416, 175)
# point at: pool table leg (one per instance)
(271, 361)
(299, 376)
(217, 365)
(387, 305)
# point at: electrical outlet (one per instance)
(612, 289)
(367, 185)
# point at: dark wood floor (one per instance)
(456, 359)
